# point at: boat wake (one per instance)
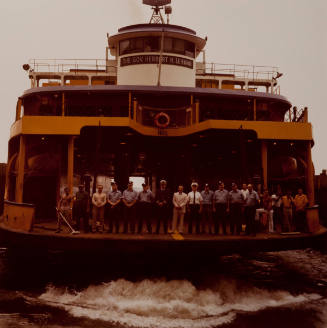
(161, 303)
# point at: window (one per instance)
(153, 44)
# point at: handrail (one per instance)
(297, 115)
(67, 65)
(242, 71)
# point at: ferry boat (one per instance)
(152, 109)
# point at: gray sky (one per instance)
(290, 34)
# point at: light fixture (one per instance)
(26, 67)
(168, 10)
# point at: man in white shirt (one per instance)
(179, 200)
(194, 208)
(99, 200)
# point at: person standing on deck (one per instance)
(250, 204)
(300, 203)
(236, 202)
(195, 208)
(80, 208)
(179, 201)
(220, 207)
(277, 208)
(266, 203)
(65, 207)
(287, 204)
(99, 200)
(206, 217)
(129, 200)
(145, 199)
(244, 192)
(114, 201)
(163, 199)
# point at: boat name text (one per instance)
(154, 59)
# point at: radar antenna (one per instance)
(157, 6)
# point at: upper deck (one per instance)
(68, 72)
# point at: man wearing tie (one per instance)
(194, 208)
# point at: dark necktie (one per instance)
(194, 198)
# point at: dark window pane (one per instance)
(124, 46)
(179, 46)
(168, 44)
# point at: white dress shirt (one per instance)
(198, 198)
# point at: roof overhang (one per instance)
(159, 90)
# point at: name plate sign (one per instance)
(154, 59)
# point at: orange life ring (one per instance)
(162, 120)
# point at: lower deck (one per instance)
(44, 237)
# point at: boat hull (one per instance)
(152, 244)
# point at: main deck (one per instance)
(43, 237)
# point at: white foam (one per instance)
(171, 304)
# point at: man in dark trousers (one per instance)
(236, 201)
(250, 205)
(194, 207)
(220, 200)
(80, 208)
(145, 199)
(163, 200)
(114, 201)
(129, 199)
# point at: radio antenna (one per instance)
(157, 6)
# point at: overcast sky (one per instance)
(290, 34)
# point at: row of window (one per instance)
(153, 44)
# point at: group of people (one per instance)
(207, 211)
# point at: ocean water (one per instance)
(278, 289)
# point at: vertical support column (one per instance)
(129, 104)
(310, 176)
(70, 164)
(197, 111)
(264, 163)
(21, 170)
(134, 109)
(63, 104)
(254, 109)
(272, 87)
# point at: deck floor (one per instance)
(49, 228)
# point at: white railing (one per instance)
(242, 71)
(67, 65)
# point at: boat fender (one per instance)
(162, 120)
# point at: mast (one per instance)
(157, 6)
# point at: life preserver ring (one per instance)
(162, 120)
